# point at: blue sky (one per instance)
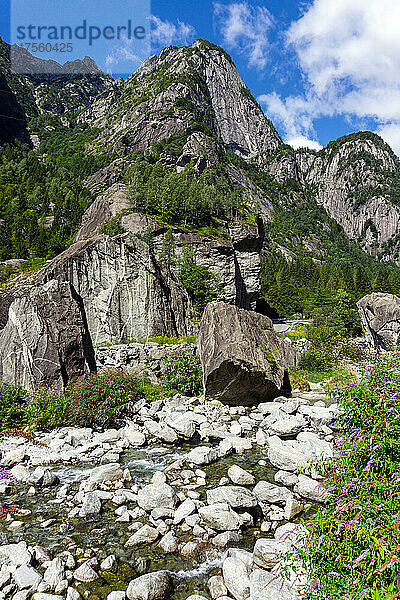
(319, 68)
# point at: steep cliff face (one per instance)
(179, 89)
(357, 179)
(45, 340)
(125, 293)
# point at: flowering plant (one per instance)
(353, 550)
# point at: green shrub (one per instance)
(45, 410)
(316, 359)
(100, 400)
(182, 372)
(93, 401)
(12, 404)
(112, 227)
(352, 550)
(201, 285)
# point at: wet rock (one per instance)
(169, 542)
(108, 563)
(236, 571)
(85, 573)
(240, 476)
(244, 361)
(235, 496)
(217, 587)
(109, 472)
(144, 535)
(157, 495)
(44, 477)
(91, 505)
(152, 586)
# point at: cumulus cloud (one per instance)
(301, 141)
(349, 54)
(165, 33)
(245, 28)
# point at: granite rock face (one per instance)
(210, 91)
(125, 292)
(46, 341)
(235, 260)
(244, 362)
(106, 206)
(353, 178)
(380, 317)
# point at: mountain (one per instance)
(183, 141)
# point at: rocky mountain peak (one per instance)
(194, 86)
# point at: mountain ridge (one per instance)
(189, 106)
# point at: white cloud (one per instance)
(123, 54)
(164, 33)
(245, 28)
(301, 141)
(349, 54)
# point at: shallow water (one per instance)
(190, 574)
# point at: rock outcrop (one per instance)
(178, 89)
(97, 291)
(244, 362)
(235, 260)
(46, 342)
(380, 317)
(354, 179)
(125, 292)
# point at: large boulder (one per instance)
(380, 317)
(244, 362)
(45, 341)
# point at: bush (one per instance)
(93, 401)
(201, 285)
(316, 359)
(182, 372)
(353, 548)
(45, 409)
(12, 405)
(299, 379)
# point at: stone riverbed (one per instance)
(189, 499)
